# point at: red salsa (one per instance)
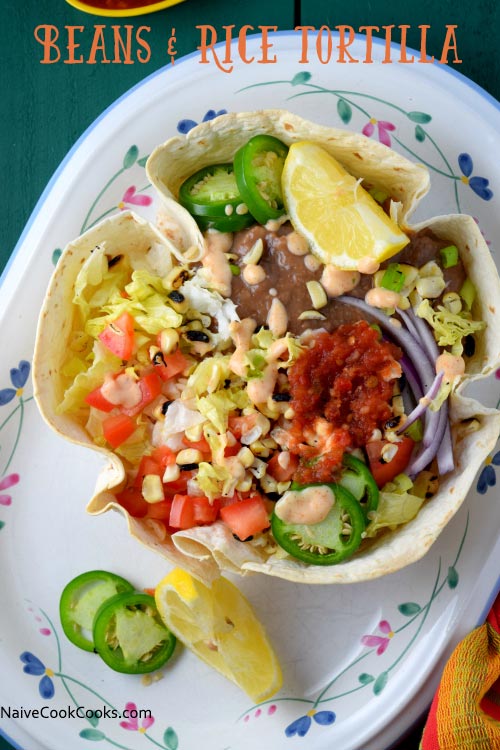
(341, 390)
(120, 4)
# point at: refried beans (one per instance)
(286, 275)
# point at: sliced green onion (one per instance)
(377, 328)
(449, 256)
(235, 270)
(468, 293)
(415, 431)
(379, 195)
(393, 278)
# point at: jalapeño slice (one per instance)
(258, 167)
(358, 479)
(80, 600)
(329, 542)
(130, 636)
(212, 197)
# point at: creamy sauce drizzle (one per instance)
(379, 297)
(451, 367)
(336, 282)
(277, 318)
(122, 390)
(308, 506)
(216, 263)
(241, 334)
(368, 265)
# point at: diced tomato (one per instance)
(150, 386)
(232, 450)
(241, 425)
(247, 517)
(118, 336)
(182, 512)
(117, 428)
(277, 471)
(160, 510)
(205, 512)
(132, 500)
(97, 400)
(149, 591)
(385, 472)
(199, 445)
(178, 485)
(147, 466)
(164, 456)
(236, 498)
(174, 364)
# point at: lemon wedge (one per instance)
(339, 218)
(219, 625)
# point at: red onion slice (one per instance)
(423, 404)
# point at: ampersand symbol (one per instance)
(171, 48)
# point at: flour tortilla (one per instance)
(216, 141)
(205, 551)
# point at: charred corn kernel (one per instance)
(411, 274)
(258, 468)
(388, 452)
(269, 442)
(180, 306)
(152, 489)
(404, 303)
(289, 414)
(245, 484)
(415, 299)
(176, 277)
(188, 456)
(193, 325)
(268, 484)
(317, 294)
(168, 339)
(195, 433)
(171, 473)
(430, 287)
(246, 457)
(254, 254)
(452, 302)
(311, 315)
(429, 269)
(377, 278)
(259, 449)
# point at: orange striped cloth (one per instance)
(465, 712)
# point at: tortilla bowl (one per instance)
(205, 551)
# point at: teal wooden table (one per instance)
(46, 107)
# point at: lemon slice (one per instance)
(339, 218)
(219, 625)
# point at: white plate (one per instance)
(340, 688)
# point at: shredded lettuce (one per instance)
(96, 282)
(449, 328)
(211, 303)
(217, 406)
(215, 480)
(209, 375)
(178, 419)
(85, 382)
(393, 510)
(146, 301)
